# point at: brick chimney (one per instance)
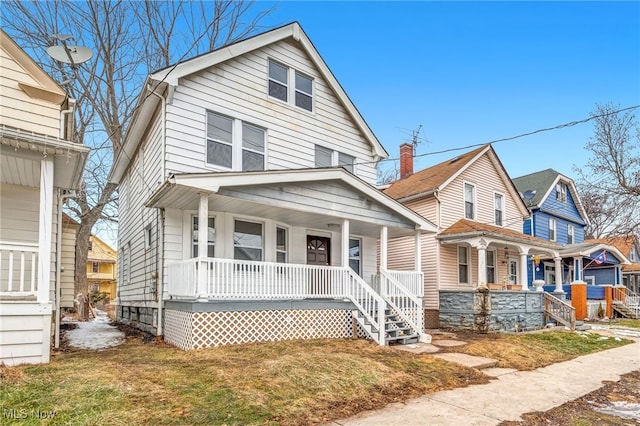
(406, 160)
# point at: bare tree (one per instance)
(129, 40)
(609, 185)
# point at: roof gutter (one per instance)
(417, 196)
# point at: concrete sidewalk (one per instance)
(510, 395)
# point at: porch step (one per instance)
(626, 311)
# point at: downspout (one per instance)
(160, 218)
(61, 201)
(63, 126)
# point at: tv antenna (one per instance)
(415, 140)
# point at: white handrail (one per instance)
(413, 281)
(407, 305)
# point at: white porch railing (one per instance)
(406, 303)
(18, 269)
(247, 280)
(411, 280)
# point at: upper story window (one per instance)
(552, 229)
(632, 255)
(499, 209)
(570, 234)
(233, 144)
(469, 201)
(325, 157)
(301, 94)
(561, 192)
(95, 267)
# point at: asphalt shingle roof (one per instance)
(539, 181)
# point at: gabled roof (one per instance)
(436, 178)
(623, 243)
(47, 88)
(171, 76)
(543, 182)
(468, 228)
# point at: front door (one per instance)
(318, 253)
(318, 250)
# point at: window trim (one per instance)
(571, 232)
(561, 191)
(296, 90)
(237, 143)
(515, 261)
(553, 228)
(468, 264)
(494, 266)
(291, 87)
(335, 158)
(464, 198)
(194, 243)
(269, 79)
(262, 237)
(286, 242)
(358, 258)
(502, 209)
(95, 267)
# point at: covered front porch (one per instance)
(301, 251)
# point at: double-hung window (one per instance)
(247, 241)
(463, 265)
(300, 95)
(355, 255)
(211, 236)
(325, 157)
(570, 234)
(552, 229)
(561, 192)
(282, 255)
(95, 267)
(234, 144)
(469, 201)
(491, 266)
(499, 209)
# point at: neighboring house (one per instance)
(248, 210)
(101, 268)
(629, 246)
(40, 165)
(479, 215)
(558, 215)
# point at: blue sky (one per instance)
(471, 73)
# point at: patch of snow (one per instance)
(95, 334)
(624, 409)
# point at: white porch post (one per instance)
(203, 239)
(418, 252)
(482, 266)
(524, 272)
(345, 243)
(577, 269)
(558, 270)
(44, 230)
(383, 247)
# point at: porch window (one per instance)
(304, 92)
(463, 265)
(570, 233)
(211, 236)
(549, 274)
(233, 144)
(491, 266)
(278, 81)
(499, 209)
(355, 255)
(95, 267)
(552, 229)
(469, 201)
(513, 271)
(282, 255)
(247, 240)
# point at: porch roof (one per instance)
(303, 197)
(586, 249)
(464, 228)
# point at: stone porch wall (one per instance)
(491, 311)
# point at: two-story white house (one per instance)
(39, 166)
(248, 210)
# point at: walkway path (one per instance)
(509, 395)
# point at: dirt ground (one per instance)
(614, 404)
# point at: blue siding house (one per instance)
(558, 215)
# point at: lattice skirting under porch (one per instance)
(197, 330)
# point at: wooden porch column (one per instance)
(384, 232)
(482, 266)
(558, 270)
(44, 231)
(345, 243)
(524, 272)
(418, 252)
(203, 239)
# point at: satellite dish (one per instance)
(529, 194)
(70, 54)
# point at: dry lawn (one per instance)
(287, 383)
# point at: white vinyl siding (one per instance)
(237, 89)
